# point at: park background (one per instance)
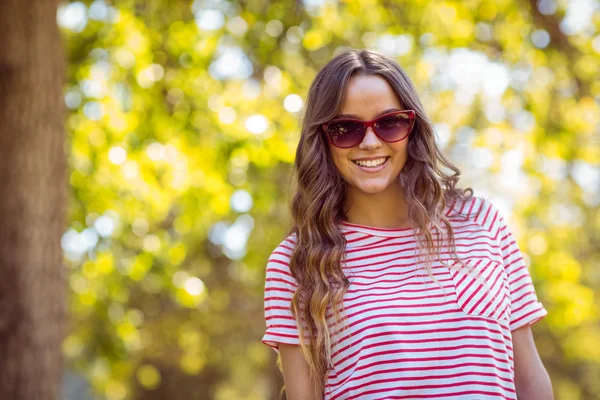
(181, 121)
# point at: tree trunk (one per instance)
(32, 201)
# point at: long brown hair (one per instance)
(317, 205)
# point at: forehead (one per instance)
(347, 115)
(368, 96)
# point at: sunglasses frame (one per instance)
(367, 124)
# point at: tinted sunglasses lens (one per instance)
(345, 133)
(393, 127)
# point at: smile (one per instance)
(371, 163)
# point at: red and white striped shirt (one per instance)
(407, 338)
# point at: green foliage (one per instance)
(159, 144)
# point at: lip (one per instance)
(372, 170)
(368, 158)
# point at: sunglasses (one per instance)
(391, 127)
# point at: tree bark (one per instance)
(32, 201)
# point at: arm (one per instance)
(282, 333)
(531, 379)
(296, 376)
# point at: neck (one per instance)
(386, 210)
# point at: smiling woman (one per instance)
(347, 303)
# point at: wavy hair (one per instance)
(318, 201)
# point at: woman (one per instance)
(406, 286)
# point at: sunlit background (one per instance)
(183, 121)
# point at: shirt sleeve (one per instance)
(526, 309)
(280, 285)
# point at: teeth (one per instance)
(371, 163)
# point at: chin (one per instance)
(371, 189)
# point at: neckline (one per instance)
(375, 231)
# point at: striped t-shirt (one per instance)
(407, 338)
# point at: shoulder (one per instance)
(278, 264)
(478, 210)
(284, 250)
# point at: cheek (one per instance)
(400, 154)
(339, 157)
(400, 148)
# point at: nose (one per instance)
(370, 141)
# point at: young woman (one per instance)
(393, 283)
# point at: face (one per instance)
(367, 97)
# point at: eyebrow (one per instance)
(355, 116)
